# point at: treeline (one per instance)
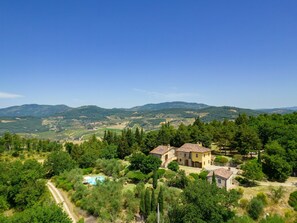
(16, 143)
(275, 134)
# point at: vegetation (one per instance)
(173, 165)
(255, 208)
(293, 200)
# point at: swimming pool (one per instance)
(94, 179)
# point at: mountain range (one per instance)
(64, 122)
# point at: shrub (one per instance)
(273, 219)
(261, 196)
(243, 203)
(237, 159)
(221, 160)
(173, 165)
(194, 175)
(255, 208)
(293, 200)
(136, 176)
(160, 173)
(203, 175)
(276, 193)
(169, 174)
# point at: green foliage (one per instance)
(203, 175)
(180, 180)
(145, 164)
(241, 219)
(112, 167)
(57, 162)
(161, 200)
(276, 168)
(255, 208)
(136, 176)
(293, 200)
(67, 180)
(252, 170)
(160, 173)
(153, 201)
(221, 160)
(173, 165)
(48, 213)
(273, 219)
(203, 202)
(147, 202)
(155, 179)
(104, 201)
(243, 203)
(261, 196)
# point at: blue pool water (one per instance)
(93, 180)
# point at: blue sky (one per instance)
(127, 53)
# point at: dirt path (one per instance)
(60, 199)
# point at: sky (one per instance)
(116, 53)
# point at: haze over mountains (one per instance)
(61, 121)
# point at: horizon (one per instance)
(125, 54)
(285, 107)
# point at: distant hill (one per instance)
(284, 110)
(33, 110)
(66, 123)
(169, 105)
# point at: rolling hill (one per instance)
(63, 122)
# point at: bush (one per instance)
(136, 176)
(173, 165)
(87, 170)
(293, 200)
(243, 203)
(221, 160)
(169, 174)
(273, 219)
(276, 193)
(255, 208)
(237, 159)
(194, 175)
(160, 173)
(261, 196)
(203, 175)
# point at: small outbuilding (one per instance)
(165, 153)
(223, 177)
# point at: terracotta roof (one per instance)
(161, 150)
(221, 172)
(189, 147)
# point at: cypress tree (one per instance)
(213, 181)
(142, 203)
(147, 202)
(153, 202)
(161, 200)
(155, 179)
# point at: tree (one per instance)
(213, 180)
(142, 203)
(245, 140)
(255, 208)
(153, 201)
(57, 162)
(147, 203)
(173, 165)
(161, 200)
(252, 170)
(276, 168)
(203, 202)
(155, 179)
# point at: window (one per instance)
(185, 155)
(219, 181)
(204, 155)
(196, 155)
(180, 160)
(204, 162)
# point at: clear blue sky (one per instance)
(125, 53)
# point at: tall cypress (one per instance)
(153, 202)
(142, 203)
(147, 202)
(155, 179)
(213, 181)
(161, 200)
